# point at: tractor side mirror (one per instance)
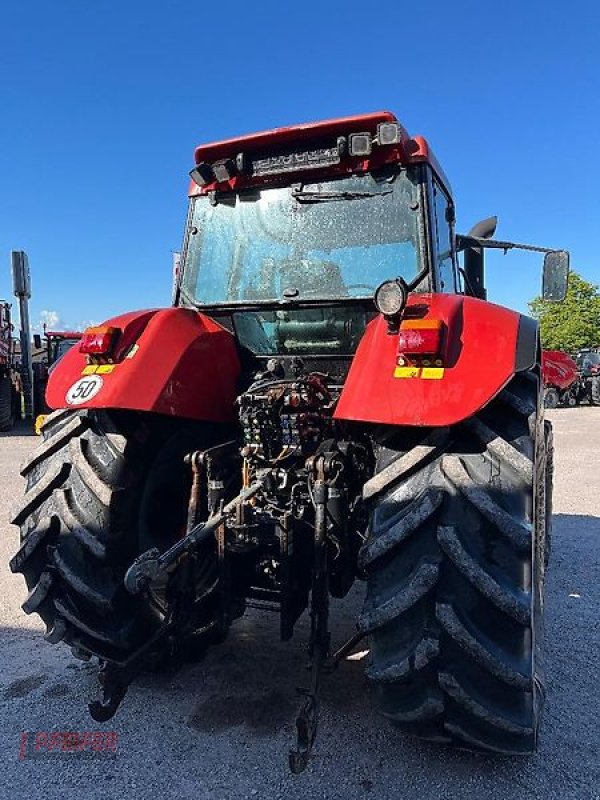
(37, 341)
(555, 275)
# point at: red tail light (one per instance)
(98, 341)
(420, 337)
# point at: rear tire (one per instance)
(81, 527)
(454, 576)
(595, 390)
(8, 409)
(551, 397)
(548, 489)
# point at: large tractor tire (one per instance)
(102, 488)
(8, 409)
(551, 397)
(569, 399)
(595, 390)
(548, 489)
(455, 560)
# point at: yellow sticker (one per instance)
(432, 373)
(406, 372)
(428, 373)
(90, 369)
(104, 369)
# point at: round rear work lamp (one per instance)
(390, 297)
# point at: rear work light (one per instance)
(360, 144)
(202, 174)
(389, 133)
(420, 339)
(98, 341)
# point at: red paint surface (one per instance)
(265, 140)
(186, 365)
(478, 354)
(558, 369)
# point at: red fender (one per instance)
(483, 346)
(173, 361)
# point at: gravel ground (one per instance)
(221, 729)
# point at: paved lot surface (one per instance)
(221, 729)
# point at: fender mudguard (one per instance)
(483, 346)
(173, 361)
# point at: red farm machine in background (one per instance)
(48, 350)
(10, 378)
(569, 381)
(561, 379)
(331, 398)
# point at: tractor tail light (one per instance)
(420, 337)
(98, 341)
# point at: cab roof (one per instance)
(407, 150)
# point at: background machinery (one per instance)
(331, 398)
(561, 379)
(588, 362)
(568, 380)
(47, 352)
(10, 379)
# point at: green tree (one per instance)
(574, 323)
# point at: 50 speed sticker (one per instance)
(84, 389)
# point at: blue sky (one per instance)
(103, 102)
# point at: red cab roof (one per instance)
(293, 133)
(409, 150)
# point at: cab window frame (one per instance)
(436, 189)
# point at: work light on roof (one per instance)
(202, 174)
(360, 144)
(224, 170)
(389, 133)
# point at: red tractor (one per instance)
(561, 379)
(588, 363)
(330, 399)
(10, 379)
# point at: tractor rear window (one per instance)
(334, 239)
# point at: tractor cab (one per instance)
(290, 233)
(58, 343)
(589, 362)
(47, 354)
(297, 237)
